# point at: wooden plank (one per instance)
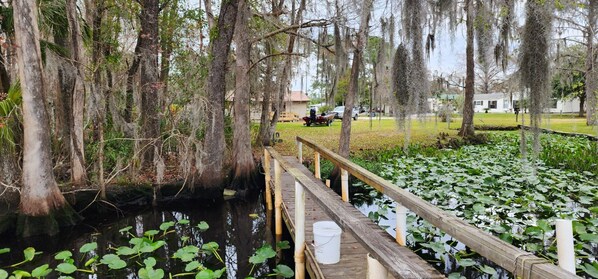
(517, 261)
(400, 261)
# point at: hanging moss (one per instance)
(400, 87)
(534, 61)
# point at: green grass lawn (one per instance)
(382, 134)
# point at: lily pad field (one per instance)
(492, 187)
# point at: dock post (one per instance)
(300, 152)
(267, 174)
(401, 229)
(278, 198)
(328, 183)
(375, 269)
(317, 172)
(345, 185)
(299, 231)
(564, 245)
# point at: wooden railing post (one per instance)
(564, 245)
(299, 231)
(278, 198)
(267, 174)
(345, 185)
(300, 152)
(375, 269)
(401, 229)
(317, 165)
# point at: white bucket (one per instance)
(327, 242)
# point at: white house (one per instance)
(501, 102)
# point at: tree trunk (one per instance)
(42, 207)
(149, 82)
(467, 124)
(244, 169)
(4, 78)
(582, 101)
(345, 138)
(211, 177)
(78, 173)
(264, 136)
(129, 99)
(591, 84)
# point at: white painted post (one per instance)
(267, 174)
(328, 183)
(564, 245)
(401, 229)
(299, 231)
(375, 269)
(317, 165)
(300, 152)
(344, 185)
(278, 198)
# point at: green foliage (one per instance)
(9, 108)
(139, 256)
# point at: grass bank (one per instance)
(383, 134)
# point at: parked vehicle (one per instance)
(340, 110)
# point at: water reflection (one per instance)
(239, 228)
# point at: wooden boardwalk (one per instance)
(353, 263)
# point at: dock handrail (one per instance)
(517, 261)
(382, 249)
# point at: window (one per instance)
(492, 104)
(505, 104)
(554, 103)
(478, 103)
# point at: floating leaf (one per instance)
(63, 255)
(41, 271)
(203, 226)
(284, 271)
(466, 262)
(125, 251)
(113, 261)
(4, 250)
(183, 222)
(193, 266)
(29, 253)
(283, 244)
(589, 237)
(20, 274)
(591, 269)
(205, 274)
(88, 247)
(210, 246)
(150, 273)
(166, 225)
(151, 233)
(66, 268)
(3, 274)
(262, 254)
(149, 262)
(488, 269)
(253, 216)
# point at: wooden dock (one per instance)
(353, 263)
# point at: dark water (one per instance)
(369, 201)
(239, 228)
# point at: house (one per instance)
(295, 102)
(492, 102)
(502, 102)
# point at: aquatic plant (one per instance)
(141, 256)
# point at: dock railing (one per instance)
(384, 254)
(520, 263)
